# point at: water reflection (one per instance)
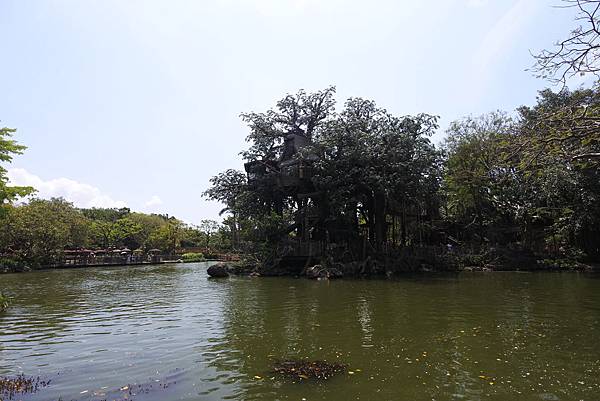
(473, 336)
(364, 318)
(470, 338)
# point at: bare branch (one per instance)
(578, 54)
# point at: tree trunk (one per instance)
(403, 224)
(380, 221)
(371, 222)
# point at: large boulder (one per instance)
(321, 272)
(219, 270)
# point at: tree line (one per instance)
(35, 233)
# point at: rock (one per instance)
(219, 270)
(320, 272)
(313, 272)
(242, 268)
(425, 268)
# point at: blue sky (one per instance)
(137, 103)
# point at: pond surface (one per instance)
(166, 332)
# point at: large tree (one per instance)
(231, 189)
(208, 228)
(374, 167)
(37, 233)
(306, 114)
(562, 127)
(367, 165)
(558, 148)
(484, 191)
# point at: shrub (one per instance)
(192, 257)
(11, 265)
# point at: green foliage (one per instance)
(126, 231)
(377, 166)
(106, 214)
(119, 227)
(306, 113)
(9, 264)
(208, 228)
(37, 233)
(560, 128)
(227, 187)
(8, 148)
(532, 181)
(558, 150)
(192, 237)
(369, 165)
(472, 260)
(478, 185)
(167, 237)
(193, 257)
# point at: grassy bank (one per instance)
(193, 257)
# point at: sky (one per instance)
(137, 103)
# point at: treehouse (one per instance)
(290, 176)
(288, 179)
(261, 171)
(295, 176)
(290, 173)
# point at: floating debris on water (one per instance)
(13, 386)
(302, 369)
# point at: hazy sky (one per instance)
(137, 103)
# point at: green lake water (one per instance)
(167, 332)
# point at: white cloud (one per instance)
(153, 201)
(82, 195)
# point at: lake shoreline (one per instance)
(370, 269)
(348, 270)
(26, 269)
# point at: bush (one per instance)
(472, 260)
(11, 265)
(192, 257)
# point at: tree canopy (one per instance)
(528, 180)
(8, 148)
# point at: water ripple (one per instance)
(497, 337)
